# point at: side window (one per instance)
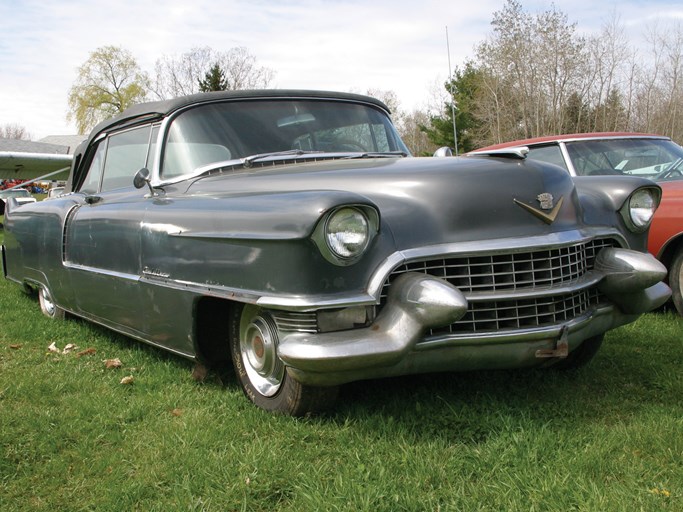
(92, 179)
(126, 154)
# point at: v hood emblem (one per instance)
(549, 217)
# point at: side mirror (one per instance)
(443, 151)
(142, 178)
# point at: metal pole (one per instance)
(450, 79)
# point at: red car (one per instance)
(622, 153)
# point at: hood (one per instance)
(422, 201)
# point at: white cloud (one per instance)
(357, 45)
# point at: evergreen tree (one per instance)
(463, 88)
(214, 80)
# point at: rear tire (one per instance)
(262, 375)
(49, 308)
(581, 355)
(676, 281)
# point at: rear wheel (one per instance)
(676, 281)
(261, 373)
(581, 355)
(49, 308)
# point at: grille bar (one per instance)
(512, 271)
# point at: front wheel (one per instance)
(676, 281)
(261, 373)
(49, 308)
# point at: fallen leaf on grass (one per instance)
(177, 412)
(112, 363)
(55, 349)
(69, 347)
(86, 352)
(15, 347)
(127, 380)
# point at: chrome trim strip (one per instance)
(567, 161)
(102, 271)
(372, 296)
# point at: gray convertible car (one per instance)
(291, 233)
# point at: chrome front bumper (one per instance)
(417, 302)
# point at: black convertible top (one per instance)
(163, 108)
(159, 109)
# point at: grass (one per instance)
(606, 438)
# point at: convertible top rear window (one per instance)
(222, 131)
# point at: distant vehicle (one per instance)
(625, 154)
(20, 195)
(54, 192)
(291, 233)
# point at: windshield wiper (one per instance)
(377, 154)
(247, 161)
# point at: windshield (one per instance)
(657, 159)
(233, 130)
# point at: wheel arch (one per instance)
(671, 248)
(212, 331)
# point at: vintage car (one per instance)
(20, 195)
(291, 232)
(630, 154)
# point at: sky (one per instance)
(337, 45)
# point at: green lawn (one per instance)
(607, 438)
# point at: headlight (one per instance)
(641, 208)
(347, 233)
(344, 234)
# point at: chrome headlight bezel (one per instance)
(344, 234)
(639, 209)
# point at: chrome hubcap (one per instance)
(258, 347)
(47, 303)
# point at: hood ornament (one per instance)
(545, 201)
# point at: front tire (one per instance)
(48, 307)
(676, 281)
(262, 375)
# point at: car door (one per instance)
(102, 232)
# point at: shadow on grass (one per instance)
(632, 373)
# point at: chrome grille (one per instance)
(492, 316)
(511, 271)
(295, 321)
(514, 271)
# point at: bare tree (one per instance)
(411, 130)
(533, 64)
(181, 75)
(666, 100)
(606, 78)
(14, 131)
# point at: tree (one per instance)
(214, 80)
(464, 90)
(181, 75)
(14, 131)
(108, 82)
(411, 130)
